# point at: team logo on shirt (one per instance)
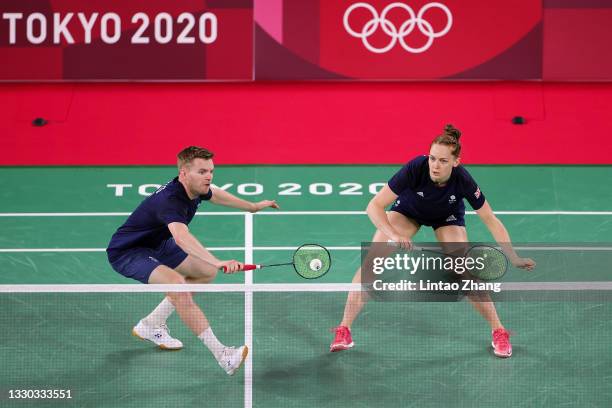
(477, 193)
(452, 200)
(162, 187)
(421, 194)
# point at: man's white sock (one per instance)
(210, 340)
(160, 314)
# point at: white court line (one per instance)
(216, 287)
(66, 214)
(467, 212)
(270, 287)
(278, 248)
(293, 248)
(236, 213)
(93, 249)
(101, 214)
(563, 248)
(556, 286)
(248, 311)
(290, 248)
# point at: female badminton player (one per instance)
(429, 190)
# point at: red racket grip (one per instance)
(245, 267)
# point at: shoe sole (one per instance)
(499, 354)
(245, 353)
(341, 347)
(161, 346)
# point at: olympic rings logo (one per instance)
(414, 20)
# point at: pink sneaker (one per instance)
(501, 343)
(343, 340)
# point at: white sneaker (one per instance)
(232, 358)
(158, 335)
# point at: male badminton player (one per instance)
(429, 190)
(155, 246)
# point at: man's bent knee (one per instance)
(197, 271)
(165, 275)
(200, 279)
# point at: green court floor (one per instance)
(56, 222)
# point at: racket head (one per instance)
(495, 262)
(311, 261)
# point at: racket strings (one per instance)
(494, 262)
(311, 261)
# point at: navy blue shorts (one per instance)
(138, 263)
(453, 219)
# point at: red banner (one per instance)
(200, 40)
(577, 35)
(382, 39)
(136, 40)
(300, 123)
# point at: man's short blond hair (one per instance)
(189, 154)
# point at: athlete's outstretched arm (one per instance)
(500, 234)
(378, 216)
(190, 244)
(222, 197)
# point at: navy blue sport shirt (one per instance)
(420, 198)
(147, 226)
